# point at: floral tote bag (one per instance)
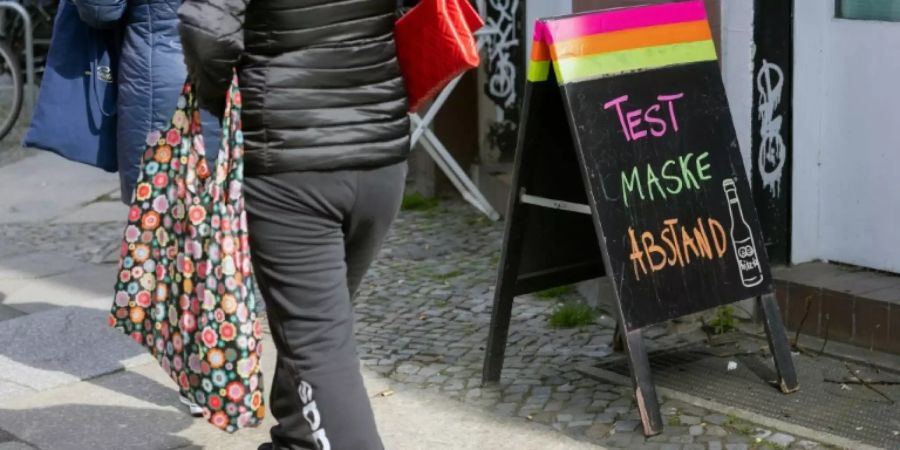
(185, 285)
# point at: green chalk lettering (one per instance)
(684, 162)
(652, 181)
(703, 169)
(675, 180)
(628, 185)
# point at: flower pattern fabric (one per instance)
(185, 285)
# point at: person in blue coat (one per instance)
(151, 76)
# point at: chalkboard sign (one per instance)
(626, 130)
(670, 190)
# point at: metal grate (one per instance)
(852, 411)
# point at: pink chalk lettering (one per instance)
(634, 119)
(671, 99)
(660, 129)
(617, 102)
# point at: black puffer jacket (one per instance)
(320, 82)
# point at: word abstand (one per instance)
(627, 166)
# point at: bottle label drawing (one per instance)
(742, 238)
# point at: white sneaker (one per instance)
(194, 408)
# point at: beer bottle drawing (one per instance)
(742, 238)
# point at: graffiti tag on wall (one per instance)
(772, 150)
(505, 66)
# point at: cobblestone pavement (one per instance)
(96, 243)
(423, 314)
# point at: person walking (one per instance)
(326, 137)
(150, 76)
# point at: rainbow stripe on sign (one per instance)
(620, 41)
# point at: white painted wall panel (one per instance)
(536, 9)
(737, 68)
(847, 139)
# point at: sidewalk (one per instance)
(97, 391)
(69, 382)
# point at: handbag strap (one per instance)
(221, 170)
(95, 79)
(227, 158)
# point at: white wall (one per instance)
(737, 68)
(809, 106)
(536, 9)
(846, 139)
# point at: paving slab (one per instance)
(133, 409)
(47, 186)
(92, 416)
(6, 437)
(414, 420)
(8, 288)
(15, 446)
(9, 249)
(89, 242)
(138, 408)
(99, 212)
(9, 389)
(49, 349)
(33, 265)
(7, 312)
(87, 286)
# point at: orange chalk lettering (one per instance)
(671, 224)
(688, 243)
(702, 240)
(636, 255)
(652, 248)
(718, 235)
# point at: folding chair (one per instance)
(421, 129)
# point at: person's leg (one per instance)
(378, 199)
(283, 399)
(296, 232)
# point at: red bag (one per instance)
(435, 43)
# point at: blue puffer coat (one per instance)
(151, 75)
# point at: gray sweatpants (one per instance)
(313, 236)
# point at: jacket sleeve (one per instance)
(100, 13)
(212, 35)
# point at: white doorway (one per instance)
(846, 180)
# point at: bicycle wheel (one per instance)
(12, 89)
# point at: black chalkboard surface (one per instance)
(628, 165)
(668, 184)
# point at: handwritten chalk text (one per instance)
(676, 175)
(675, 244)
(632, 121)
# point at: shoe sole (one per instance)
(193, 408)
